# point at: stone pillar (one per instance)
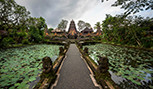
(47, 64)
(103, 64)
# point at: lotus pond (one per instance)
(21, 67)
(129, 68)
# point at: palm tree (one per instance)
(97, 26)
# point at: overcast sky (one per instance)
(90, 11)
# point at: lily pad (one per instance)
(128, 63)
(23, 63)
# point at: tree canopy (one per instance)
(18, 26)
(133, 6)
(62, 25)
(97, 26)
(128, 30)
(82, 25)
(12, 15)
(50, 29)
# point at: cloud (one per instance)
(90, 11)
(98, 13)
(55, 10)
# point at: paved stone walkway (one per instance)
(74, 73)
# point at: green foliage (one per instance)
(128, 30)
(21, 34)
(87, 25)
(134, 6)
(12, 15)
(50, 29)
(6, 41)
(97, 26)
(62, 25)
(35, 34)
(21, 66)
(148, 42)
(19, 25)
(97, 37)
(125, 63)
(25, 41)
(36, 29)
(82, 25)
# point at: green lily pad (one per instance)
(125, 62)
(20, 61)
(138, 83)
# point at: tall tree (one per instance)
(36, 27)
(97, 26)
(50, 29)
(128, 30)
(12, 15)
(82, 25)
(62, 25)
(88, 25)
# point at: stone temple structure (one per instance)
(74, 34)
(72, 31)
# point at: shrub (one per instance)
(25, 41)
(147, 42)
(21, 34)
(6, 41)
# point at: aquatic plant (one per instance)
(21, 67)
(133, 65)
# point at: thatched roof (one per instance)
(87, 30)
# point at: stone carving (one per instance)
(103, 64)
(86, 50)
(65, 46)
(80, 45)
(47, 64)
(61, 50)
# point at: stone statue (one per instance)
(65, 46)
(81, 46)
(47, 64)
(86, 50)
(61, 50)
(103, 64)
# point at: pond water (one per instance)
(129, 68)
(21, 67)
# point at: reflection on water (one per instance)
(33, 83)
(115, 78)
(130, 68)
(54, 58)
